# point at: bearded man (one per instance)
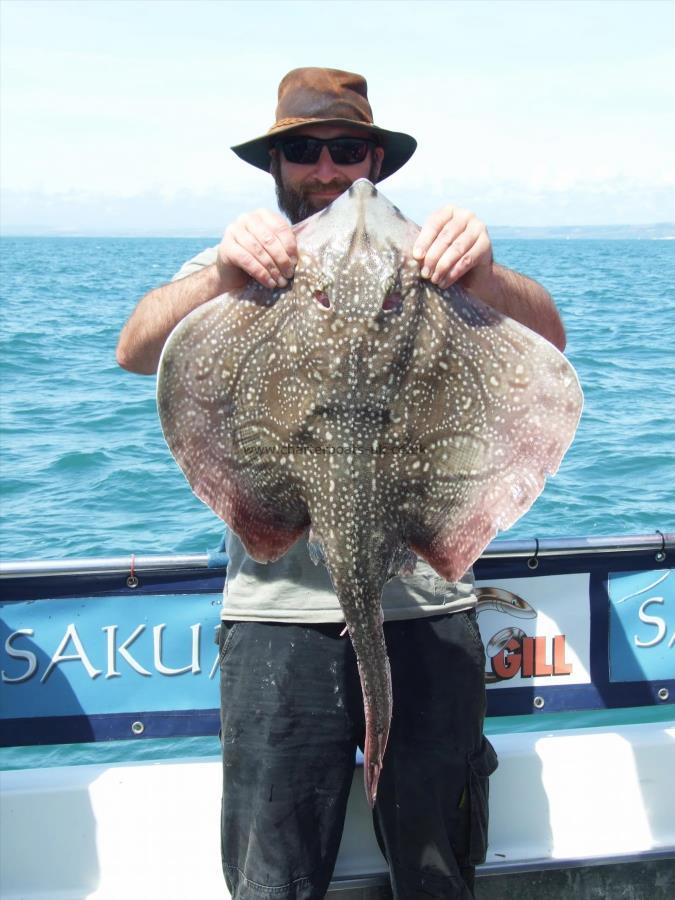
(291, 705)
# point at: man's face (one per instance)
(303, 190)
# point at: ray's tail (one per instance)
(358, 555)
(371, 655)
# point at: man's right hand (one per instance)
(259, 245)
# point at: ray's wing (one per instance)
(215, 369)
(499, 407)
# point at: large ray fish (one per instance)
(387, 416)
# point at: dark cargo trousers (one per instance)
(291, 720)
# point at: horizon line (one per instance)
(38, 231)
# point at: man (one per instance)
(292, 712)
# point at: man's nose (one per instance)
(325, 167)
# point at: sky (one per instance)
(117, 117)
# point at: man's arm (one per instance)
(157, 314)
(518, 297)
(258, 245)
(454, 246)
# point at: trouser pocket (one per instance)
(481, 765)
(226, 634)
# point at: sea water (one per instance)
(85, 470)
(84, 467)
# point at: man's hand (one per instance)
(261, 245)
(455, 246)
(452, 243)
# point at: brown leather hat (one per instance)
(313, 96)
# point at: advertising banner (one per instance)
(642, 625)
(90, 655)
(536, 630)
(108, 665)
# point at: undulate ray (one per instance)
(362, 401)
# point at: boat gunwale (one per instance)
(531, 549)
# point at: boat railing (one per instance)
(659, 542)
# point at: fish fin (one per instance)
(373, 755)
(506, 408)
(226, 451)
(403, 562)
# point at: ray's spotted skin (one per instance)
(366, 404)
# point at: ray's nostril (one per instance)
(322, 298)
(392, 302)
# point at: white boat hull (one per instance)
(151, 830)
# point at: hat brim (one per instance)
(398, 147)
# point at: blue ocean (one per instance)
(84, 467)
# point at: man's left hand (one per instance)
(452, 243)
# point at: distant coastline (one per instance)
(660, 231)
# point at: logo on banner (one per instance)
(642, 625)
(511, 651)
(539, 639)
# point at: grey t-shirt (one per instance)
(294, 589)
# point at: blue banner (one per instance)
(642, 625)
(96, 660)
(89, 655)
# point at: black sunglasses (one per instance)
(344, 151)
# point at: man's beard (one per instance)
(299, 205)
